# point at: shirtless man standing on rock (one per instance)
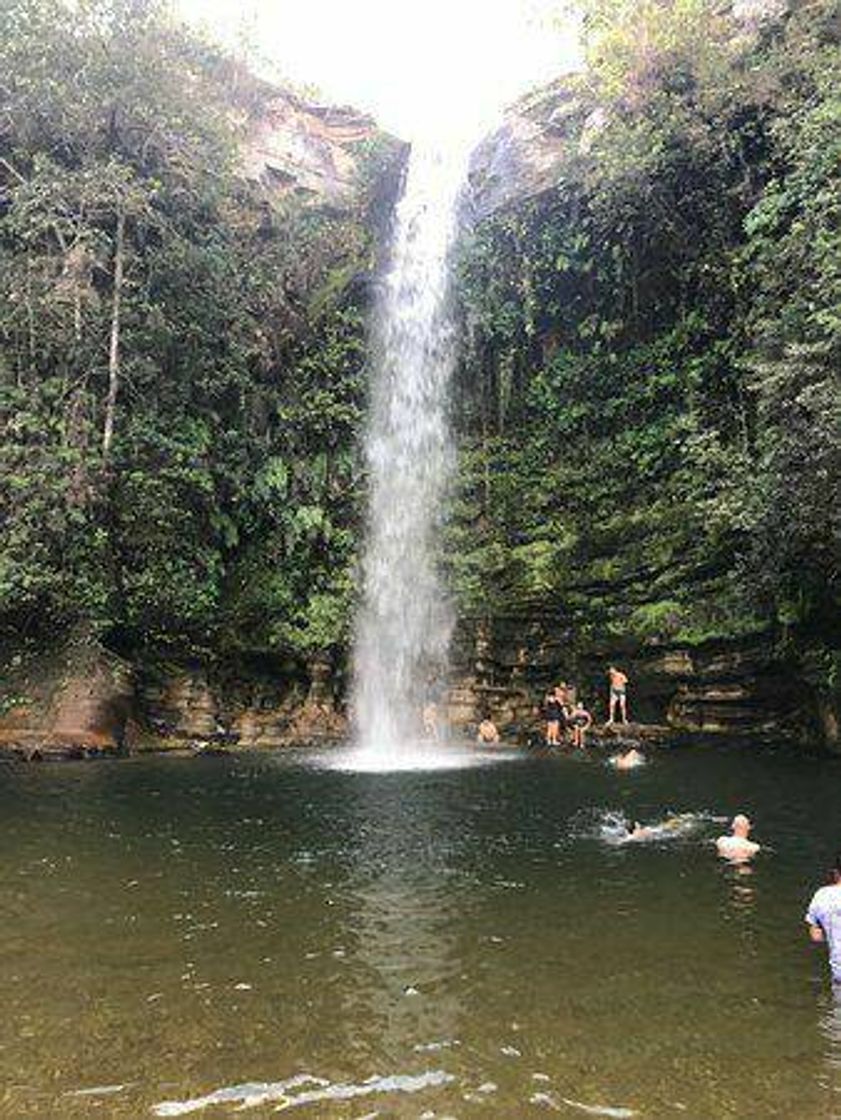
(618, 695)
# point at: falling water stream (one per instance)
(405, 623)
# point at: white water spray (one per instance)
(405, 625)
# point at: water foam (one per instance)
(284, 1094)
(416, 755)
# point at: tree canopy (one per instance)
(180, 352)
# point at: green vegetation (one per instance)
(651, 399)
(180, 350)
(649, 402)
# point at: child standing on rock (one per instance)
(580, 721)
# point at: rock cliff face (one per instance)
(745, 685)
(261, 704)
(316, 153)
(504, 665)
(73, 702)
(557, 122)
(84, 700)
(525, 155)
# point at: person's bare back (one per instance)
(488, 732)
(629, 761)
(737, 847)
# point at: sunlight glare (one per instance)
(436, 67)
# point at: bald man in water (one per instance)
(737, 847)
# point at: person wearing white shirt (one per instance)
(824, 919)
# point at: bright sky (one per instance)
(415, 64)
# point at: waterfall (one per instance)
(405, 622)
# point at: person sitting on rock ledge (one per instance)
(488, 731)
(737, 847)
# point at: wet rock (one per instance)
(265, 704)
(503, 666)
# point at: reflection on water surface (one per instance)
(261, 933)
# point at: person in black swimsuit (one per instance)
(553, 713)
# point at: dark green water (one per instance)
(172, 929)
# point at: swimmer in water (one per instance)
(737, 847)
(639, 831)
(660, 830)
(629, 760)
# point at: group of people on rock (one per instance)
(567, 718)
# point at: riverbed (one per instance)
(192, 936)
